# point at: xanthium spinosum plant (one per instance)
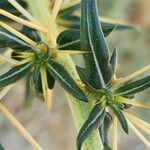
(40, 53)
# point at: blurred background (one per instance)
(56, 130)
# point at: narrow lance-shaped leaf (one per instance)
(134, 87)
(29, 96)
(68, 11)
(108, 28)
(118, 26)
(31, 33)
(69, 40)
(9, 40)
(121, 118)
(114, 61)
(104, 128)
(92, 123)
(50, 80)
(73, 22)
(14, 74)
(38, 83)
(35, 78)
(62, 76)
(92, 39)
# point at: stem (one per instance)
(79, 110)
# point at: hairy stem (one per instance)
(79, 110)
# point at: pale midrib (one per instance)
(59, 76)
(135, 88)
(15, 73)
(94, 55)
(92, 122)
(14, 38)
(70, 43)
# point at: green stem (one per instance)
(79, 110)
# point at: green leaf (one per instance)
(72, 35)
(31, 33)
(92, 123)
(108, 27)
(60, 74)
(14, 74)
(117, 26)
(134, 86)
(68, 11)
(29, 96)
(72, 22)
(1, 147)
(69, 40)
(121, 118)
(50, 80)
(104, 128)
(83, 75)
(35, 78)
(114, 60)
(92, 39)
(9, 40)
(38, 85)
